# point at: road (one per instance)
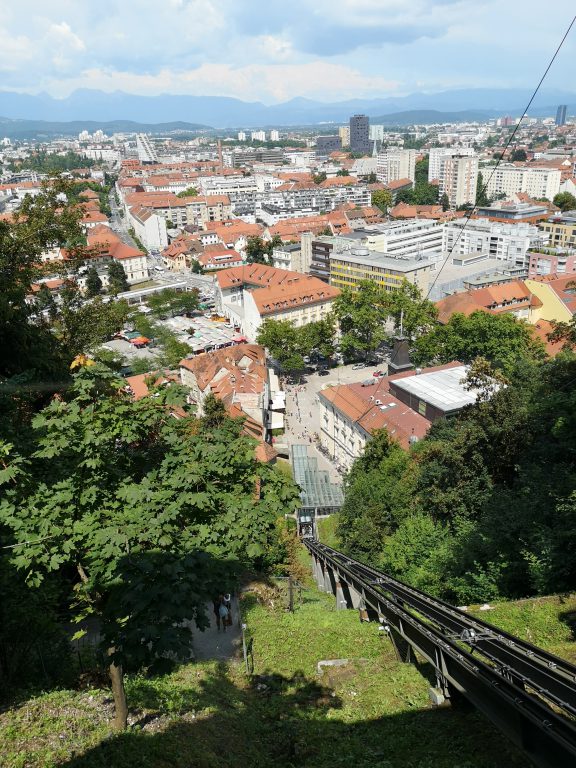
(216, 644)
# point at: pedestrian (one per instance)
(216, 607)
(228, 604)
(223, 613)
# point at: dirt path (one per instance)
(214, 644)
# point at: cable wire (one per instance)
(512, 135)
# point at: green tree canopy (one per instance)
(117, 280)
(170, 302)
(190, 192)
(144, 509)
(382, 198)
(501, 339)
(565, 201)
(93, 283)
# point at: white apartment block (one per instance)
(506, 242)
(344, 133)
(405, 239)
(458, 179)
(438, 153)
(508, 179)
(241, 136)
(150, 228)
(395, 164)
(103, 154)
(258, 135)
(146, 152)
(274, 135)
(376, 132)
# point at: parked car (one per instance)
(378, 374)
(358, 366)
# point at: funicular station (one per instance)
(319, 496)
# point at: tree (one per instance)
(196, 268)
(117, 280)
(170, 302)
(371, 178)
(519, 156)
(482, 198)
(408, 308)
(362, 315)
(565, 201)
(256, 251)
(445, 202)
(147, 511)
(317, 338)
(343, 172)
(382, 198)
(318, 178)
(81, 325)
(501, 339)
(93, 283)
(281, 339)
(190, 192)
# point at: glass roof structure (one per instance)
(319, 493)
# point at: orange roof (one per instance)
(303, 290)
(541, 331)
(254, 275)
(399, 183)
(339, 181)
(495, 299)
(139, 384)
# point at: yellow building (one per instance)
(561, 229)
(348, 268)
(557, 296)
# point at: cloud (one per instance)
(276, 49)
(318, 79)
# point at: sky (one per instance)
(275, 50)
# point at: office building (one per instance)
(561, 230)
(327, 144)
(360, 134)
(395, 164)
(458, 179)
(561, 115)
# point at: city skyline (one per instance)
(274, 51)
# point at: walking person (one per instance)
(228, 604)
(224, 613)
(216, 603)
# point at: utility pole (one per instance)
(290, 594)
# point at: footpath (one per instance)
(214, 644)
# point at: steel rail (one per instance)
(552, 677)
(544, 734)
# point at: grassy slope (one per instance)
(375, 712)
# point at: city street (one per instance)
(303, 411)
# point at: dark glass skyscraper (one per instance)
(359, 134)
(561, 115)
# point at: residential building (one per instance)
(511, 211)
(237, 376)
(250, 294)
(508, 179)
(551, 261)
(506, 242)
(410, 239)
(104, 246)
(458, 179)
(327, 144)
(561, 230)
(377, 133)
(344, 133)
(291, 256)
(360, 134)
(395, 164)
(146, 152)
(558, 297)
(150, 227)
(219, 257)
(437, 154)
(405, 404)
(258, 135)
(513, 297)
(241, 136)
(274, 135)
(561, 115)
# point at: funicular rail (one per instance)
(529, 693)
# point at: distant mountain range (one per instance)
(38, 129)
(99, 108)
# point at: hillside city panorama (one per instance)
(287, 384)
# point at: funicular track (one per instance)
(528, 693)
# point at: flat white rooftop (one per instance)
(442, 389)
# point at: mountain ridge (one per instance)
(224, 112)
